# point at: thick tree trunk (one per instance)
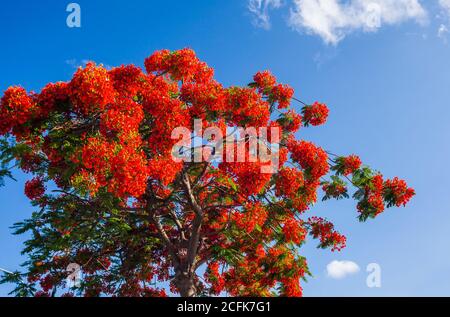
(185, 285)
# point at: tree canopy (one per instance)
(111, 197)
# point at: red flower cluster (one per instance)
(127, 80)
(290, 121)
(288, 183)
(265, 81)
(267, 85)
(120, 168)
(124, 118)
(351, 164)
(204, 98)
(310, 157)
(47, 283)
(35, 189)
(324, 231)
(399, 191)
(241, 172)
(334, 190)
(291, 183)
(246, 108)
(374, 200)
(164, 169)
(316, 114)
(283, 95)
(276, 265)
(215, 278)
(166, 113)
(182, 65)
(30, 162)
(294, 231)
(254, 215)
(16, 108)
(50, 97)
(91, 89)
(291, 287)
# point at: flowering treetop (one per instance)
(110, 196)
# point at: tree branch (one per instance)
(178, 224)
(197, 223)
(162, 233)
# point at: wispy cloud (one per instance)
(442, 32)
(72, 63)
(323, 57)
(333, 20)
(445, 4)
(443, 29)
(341, 269)
(260, 10)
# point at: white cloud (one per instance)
(442, 31)
(444, 15)
(340, 269)
(323, 57)
(332, 20)
(260, 11)
(72, 62)
(445, 4)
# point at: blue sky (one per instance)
(387, 86)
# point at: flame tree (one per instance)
(109, 196)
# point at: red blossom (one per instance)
(289, 182)
(283, 95)
(334, 190)
(215, 278)
(16, 108)
(316, 114)
(34, 189)
(91, 89)
(294, 231)
(310, 157)
(294, 121)
(254, 216)
(324, 231)
(374, 200)
(399, 190)
(127, 80)
(52, 96)
(246, 108)
(265, 81)
(181, 65)
(351, 164)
